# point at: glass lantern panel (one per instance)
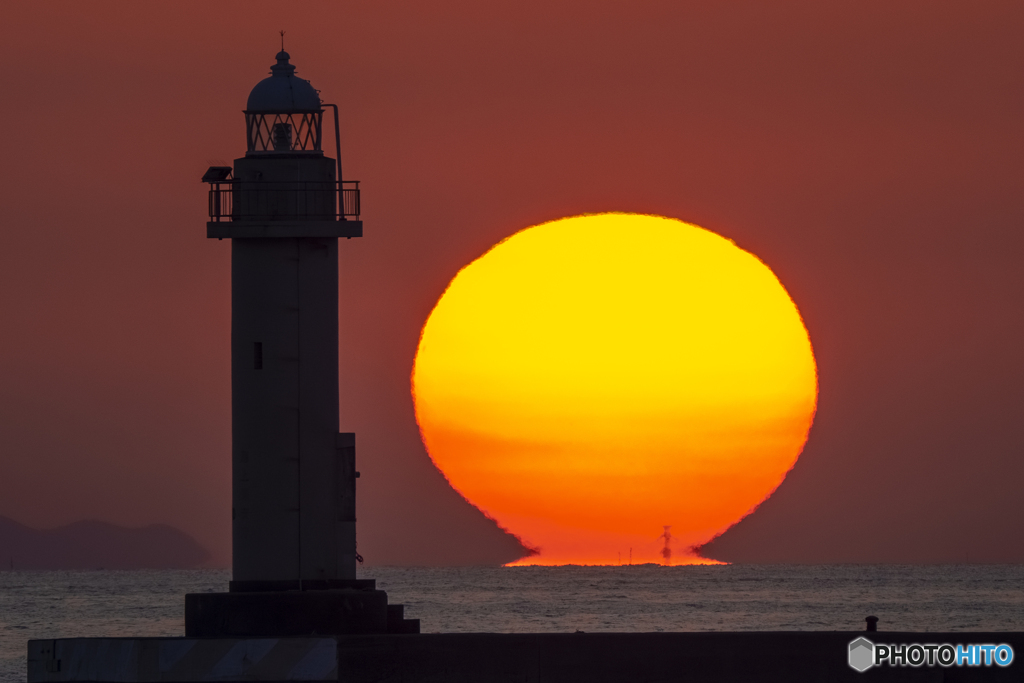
(284, 132)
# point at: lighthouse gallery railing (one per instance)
(246, 200)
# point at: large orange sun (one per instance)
(590, 381)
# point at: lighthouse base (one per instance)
(282, 614)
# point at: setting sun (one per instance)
(592, 380)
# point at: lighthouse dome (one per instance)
(283, 92)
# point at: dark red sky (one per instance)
(869, 152)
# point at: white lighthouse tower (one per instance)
(283, 206)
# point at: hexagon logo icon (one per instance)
(862, 654)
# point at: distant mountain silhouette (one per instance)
(93, 545)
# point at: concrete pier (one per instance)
(766, 657)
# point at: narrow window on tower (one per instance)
(257, 356)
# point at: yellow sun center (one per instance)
(591, 380)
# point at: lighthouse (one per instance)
(284, 206)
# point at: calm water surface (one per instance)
(551, 599)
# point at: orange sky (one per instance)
(869, 152)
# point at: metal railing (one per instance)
(246, 200)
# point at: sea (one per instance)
(637, 598)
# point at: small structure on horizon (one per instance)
(666, 551)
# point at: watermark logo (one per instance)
(864, 654)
